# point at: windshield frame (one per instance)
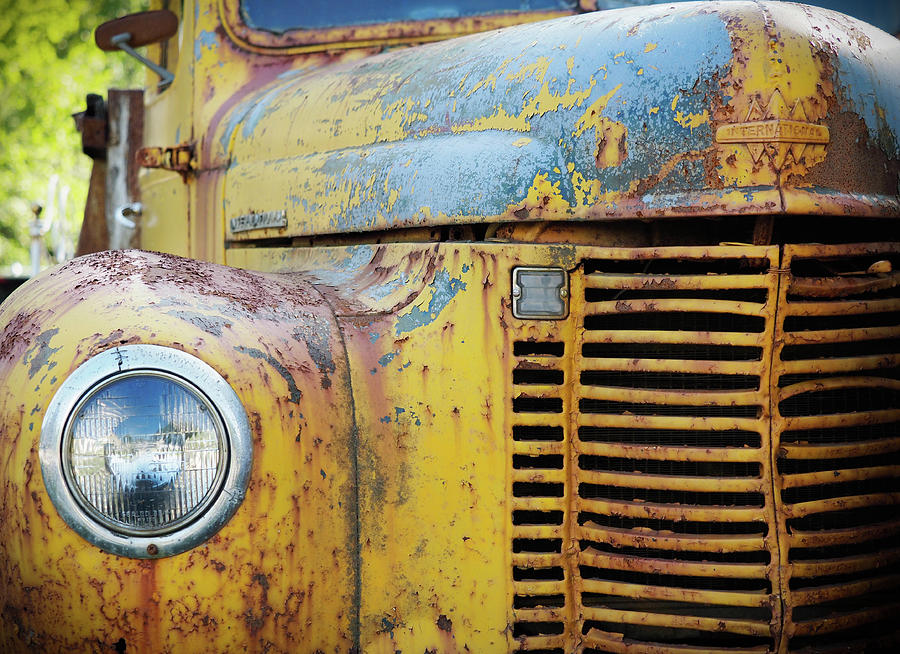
(372, 35)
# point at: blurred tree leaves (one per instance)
(48, 63)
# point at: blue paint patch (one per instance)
(444, 289)
(387, 358)
(465, 267)
(347, 268)
(322, 472)
(406, 365)
(373, 337)
(205, 40)
(257, 112)
(385, 419)
(388, 287)
(397, 411)
(373, 371)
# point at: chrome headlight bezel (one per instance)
(194, 375)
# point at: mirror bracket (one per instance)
(121, 41)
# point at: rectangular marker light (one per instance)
(540, 293)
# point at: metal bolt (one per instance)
(563, 293)
(152, 549)
(516, 291)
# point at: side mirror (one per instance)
(139, 29)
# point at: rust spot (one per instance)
(851, 145)
(444, 623)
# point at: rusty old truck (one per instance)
(468, 327)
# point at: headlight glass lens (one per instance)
(144, 453)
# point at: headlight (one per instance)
(145, 451)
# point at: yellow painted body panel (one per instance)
(167, 224)
(255, 583)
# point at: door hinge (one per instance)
(179, 158)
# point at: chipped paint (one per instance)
(441, 292)
(39, 354)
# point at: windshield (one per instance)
(280, 16)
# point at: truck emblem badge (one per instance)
(261, 220)
(775, 128)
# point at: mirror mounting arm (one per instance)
(121, 41)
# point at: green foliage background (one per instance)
(48, 63)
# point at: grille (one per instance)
(646, 516)
(540, 494)
(836, 427)
(706, 454)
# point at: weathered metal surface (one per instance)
(376, 34)
(479, 480)
(431, 453)
(179, 158)
(280, 576)
(432, 474)
(834, 439)
(94, 234)
(582, 118)
(125, 111)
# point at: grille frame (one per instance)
(590, 610)
(833, 590)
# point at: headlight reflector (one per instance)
(144, 453)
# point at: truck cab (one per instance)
(470, 328)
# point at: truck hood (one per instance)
(616, 114)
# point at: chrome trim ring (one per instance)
(200, 378)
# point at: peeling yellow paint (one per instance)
(588, 119)
(653, 110)
(570, 64)
(490, 79)
(584, 189)
(610, 135)
(640, 71)
(691, 120)
(537, 70)
(498, 120)
(649, 47)
(521, 142)
(545, 194)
